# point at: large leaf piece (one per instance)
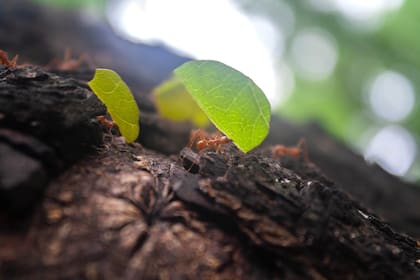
(174, 102)
(231, 100)
(119, 101)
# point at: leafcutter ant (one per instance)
(296, 151)
(204, 141)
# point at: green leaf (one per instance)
(231, 100)
(174, 102)
(119, 101)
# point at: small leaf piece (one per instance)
(174, 102)
(119, 101)
(231, 100)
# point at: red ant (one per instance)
(4, 59)
(295, 151)
(108, 125)
(207, 141)
(105, 122)
(68, 63)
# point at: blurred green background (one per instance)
(352, 65)
(370, 100)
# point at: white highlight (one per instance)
(204, 29)
(362, 10)
(365, 14)
(314, 54)
(393, 148)
(392, 96)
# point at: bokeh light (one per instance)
(314, 54)
(393, 148)
(364, 13)
(391, 96)
(363, 10)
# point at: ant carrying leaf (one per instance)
(119, 101)
(207, 141)
(105, 122)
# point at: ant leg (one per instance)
(277, 151)
(301, 145)
(193, 137)
(218, 148)
(67, 54)
(12, 63)
(196, 134)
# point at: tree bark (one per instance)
(79, 203)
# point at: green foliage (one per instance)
(119, 101)
(74, 3)
(340, 103)
(174, 102)
(231, 100)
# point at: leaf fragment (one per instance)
(174, 102)
(119, 101)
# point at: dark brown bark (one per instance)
(388, 196)
(46, 124)
(159, 210)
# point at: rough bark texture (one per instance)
(73, 208)
(46, 124)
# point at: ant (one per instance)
(68, 63)
(105, 122)
(4, 59)
(295, 151)
(108, 125)
(207, 141)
